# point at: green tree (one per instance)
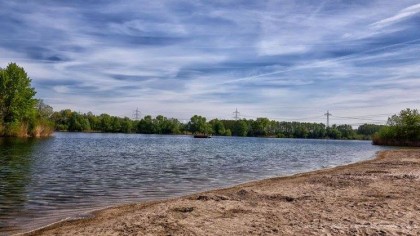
(301, 131)
(17, 102)
(161, 125)
(333, 132)
(78, 123)
(241, 128)
(175, 126)
(406, 124)
(116, 124)
(198, 124)
(260, 127)
(401, 130)
(16, 94)
(94, 121)
(106, 123)
(146, 125)
(126, 125)
(218, 127)
(367, 130)
(74, 124)
(346, 131)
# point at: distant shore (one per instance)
(378, 196)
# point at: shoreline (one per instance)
(296, 204)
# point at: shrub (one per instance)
(401, 130)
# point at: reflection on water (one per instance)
(47, 180)
(15, 174)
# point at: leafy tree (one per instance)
(218, 127)
(301, 131)
(346, 131)
(106, 123)
(333, 132)
(16, 94)
(367, 130)
(62, 119)
(94, 121)
(260, 127)
(115, 124)
(317, 131)
(241, 128)
(198, 124)
(74, 124)
(18, 113)
(126, 125)
(174, 126)
(406, 124)
(146, 125)
(161, 125)
(78, 123)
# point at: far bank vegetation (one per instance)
(71, 121)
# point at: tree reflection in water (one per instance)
(15, 174)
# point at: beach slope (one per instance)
(377, 197)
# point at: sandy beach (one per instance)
(375, 197)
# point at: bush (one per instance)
(401, 130)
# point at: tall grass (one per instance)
(29, 128)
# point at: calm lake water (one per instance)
(42, 181)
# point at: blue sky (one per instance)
(286, 60)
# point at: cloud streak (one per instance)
(400, 16)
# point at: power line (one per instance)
(358, 124)
(383, 114)
(286, 119)
(356, 118)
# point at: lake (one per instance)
(69, 174)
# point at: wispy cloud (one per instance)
(400, 16)
(280, 59)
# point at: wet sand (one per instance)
(375, 197)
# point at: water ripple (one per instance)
(42, 181)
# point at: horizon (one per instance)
(283, 61)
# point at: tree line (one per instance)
(67, 120)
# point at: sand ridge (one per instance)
(375, 197)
